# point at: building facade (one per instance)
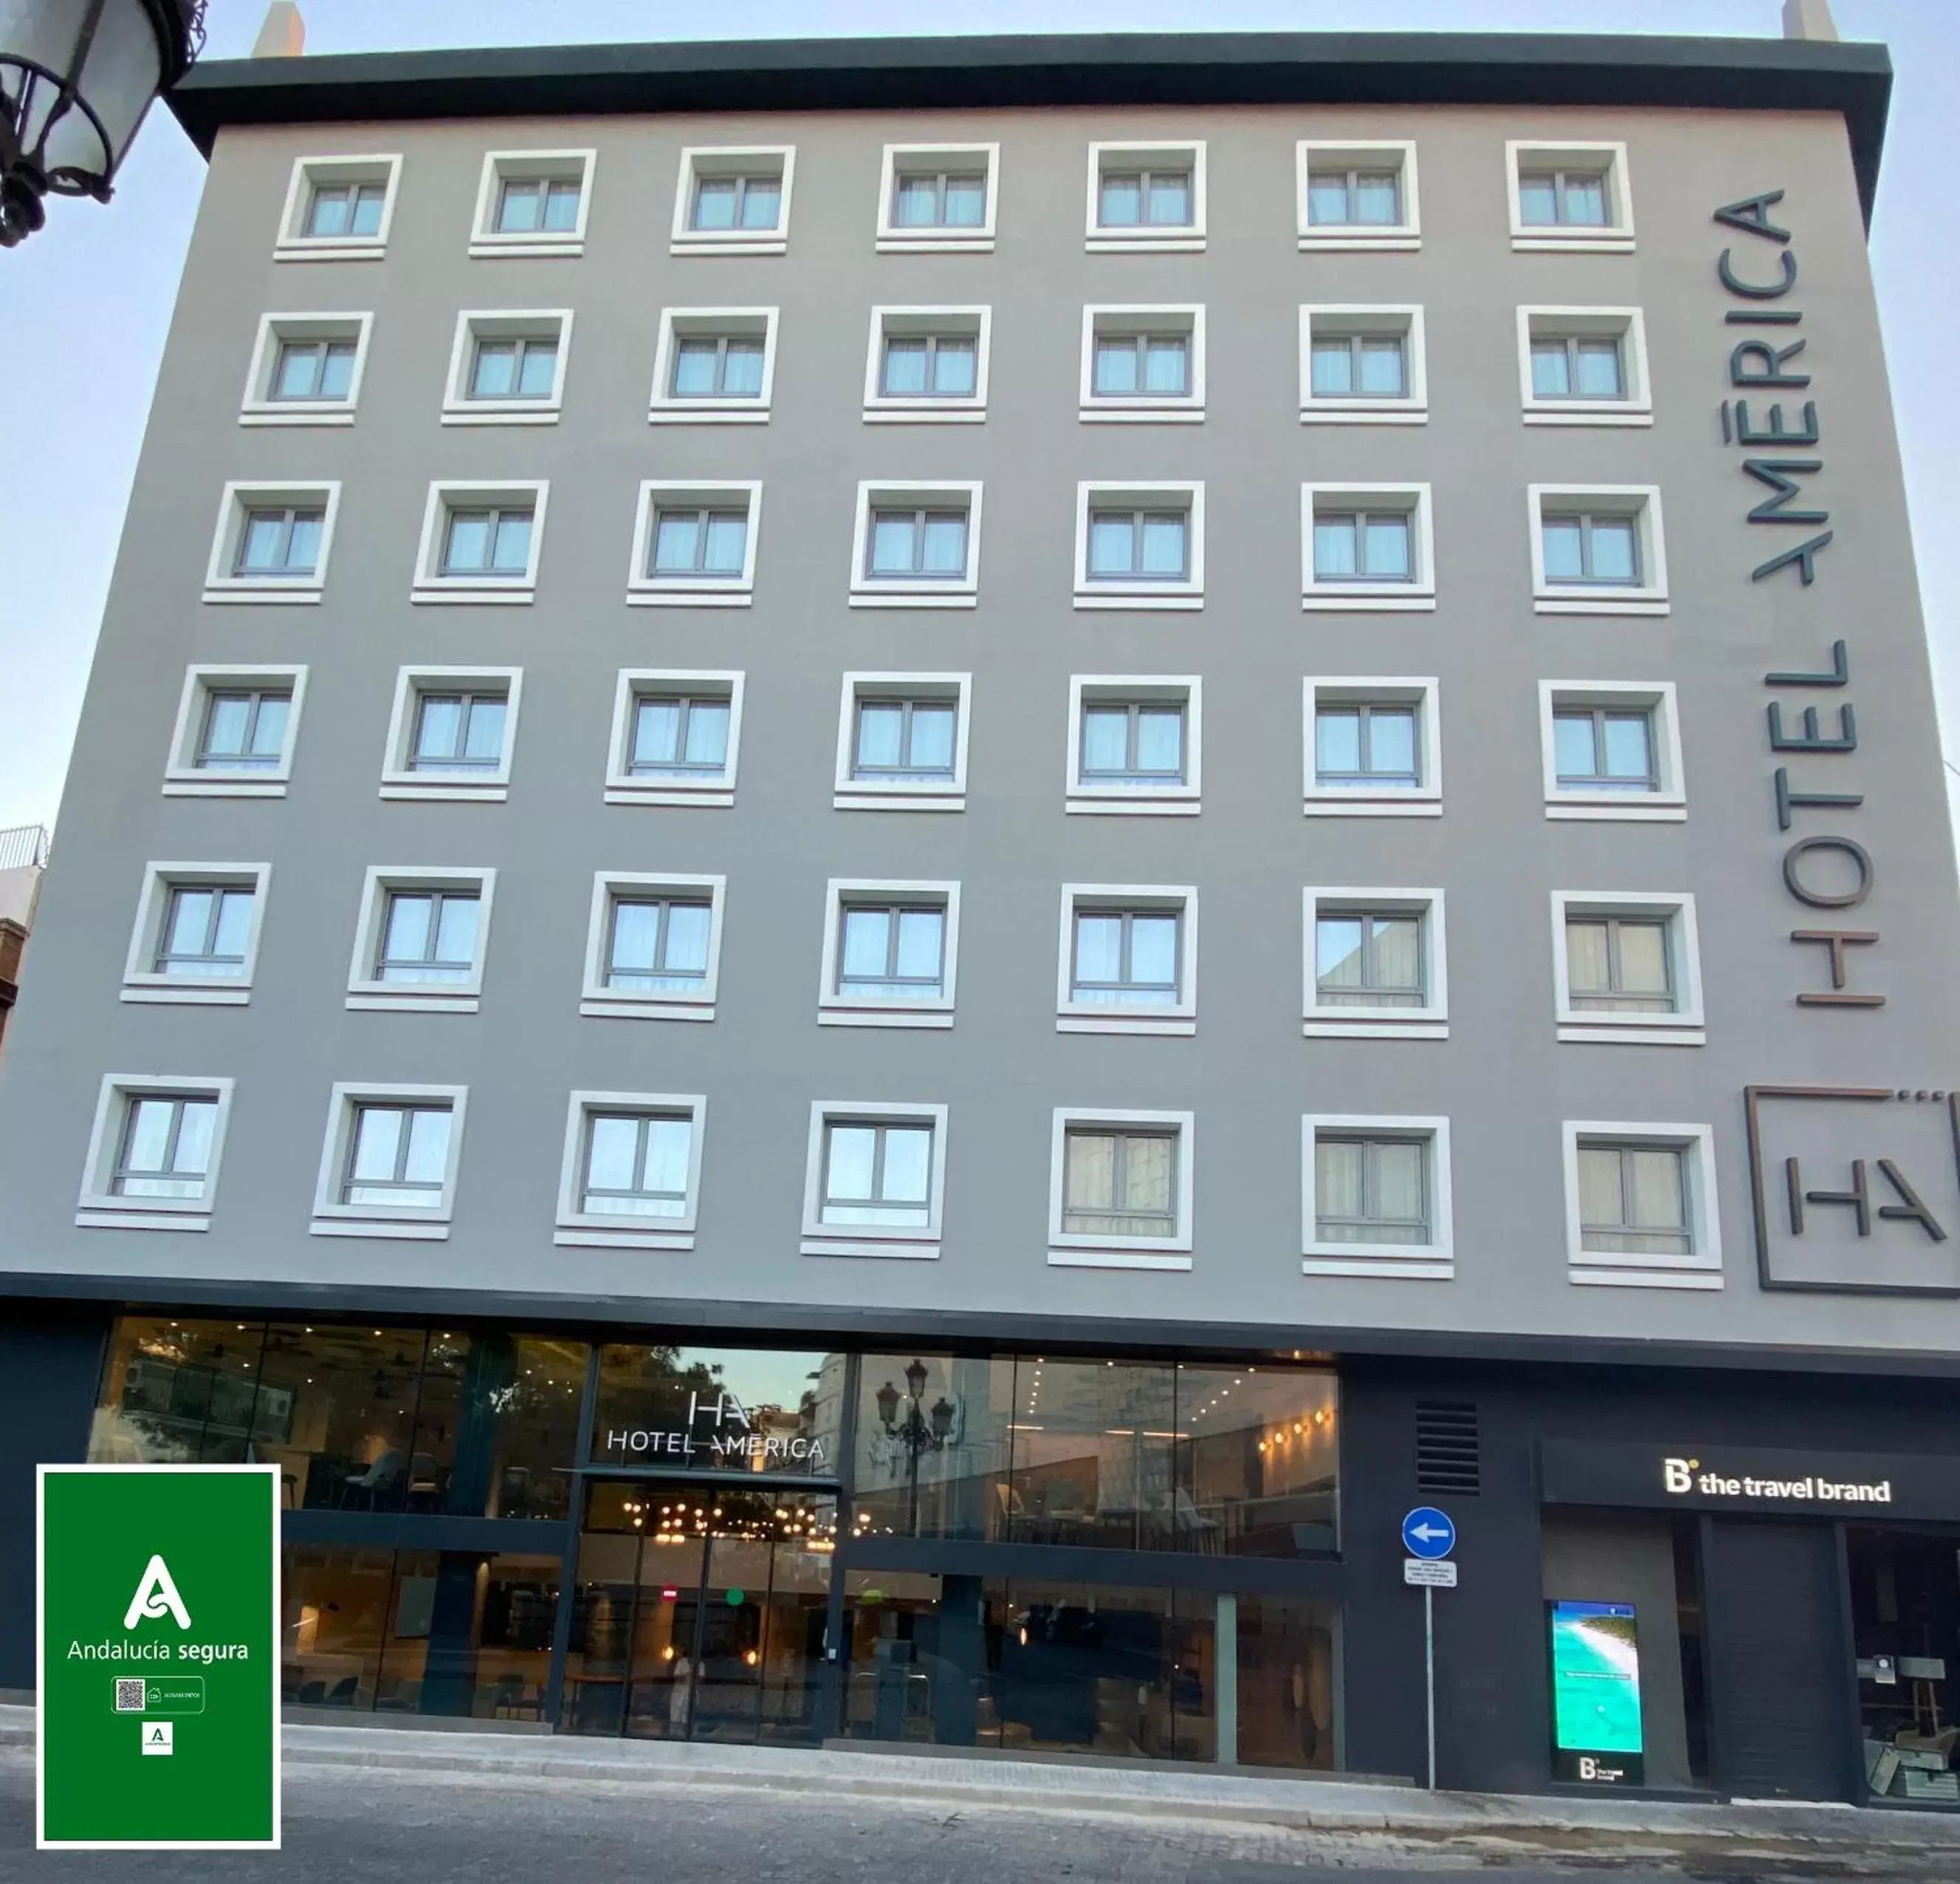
(624, 994)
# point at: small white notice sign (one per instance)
(1424, 1574)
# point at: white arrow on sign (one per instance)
(1426, 1532)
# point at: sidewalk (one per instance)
(1625, 1822)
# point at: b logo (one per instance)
(1588, 1767)
(1677, 1475)
(157, 1595)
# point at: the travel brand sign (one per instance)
(720, 1431)
(1742, 1478)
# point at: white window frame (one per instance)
(98, 1207)
(431, 585)
(1397, 154)
(1187, 319)
(1076, 1249)
(1423, 692)
(141, 981)
(1083, 797)
(1141, 592)
(596, 1001)
(1405, 321)
(556, 166)
(835, 1009)
(1666, 805)
(1609, 159)
(183, 778)
(922, 592)
(331, 1217)
(475, 324)
(1640, 1269)
(902, 795)
(260, 407)
(665, 408)
(1176, 1017)
(580, 1229)
(732, 160)
(914, 322)
(1432, 1262)
(241, 495)
(820, 1238)
(365, 992)
(1627, 325)
(400, 780)
(1332, 1020)
(622, 786)
(694, 590)
(1147, 239)
(1687, 1027)
(977, 240)
(1641, 502)
(293, 245)
(1415, 597)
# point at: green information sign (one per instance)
(159, 1663)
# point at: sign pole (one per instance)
(1428, 1674)
(1429, 1536)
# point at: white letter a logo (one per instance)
(156, 1596)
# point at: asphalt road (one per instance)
(350, 1823)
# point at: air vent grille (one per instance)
(1447, 1452)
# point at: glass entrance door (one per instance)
(725, 1591)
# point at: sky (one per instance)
(85, 305)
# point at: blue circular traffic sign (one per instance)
(1428, 1532)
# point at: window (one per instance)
(1129, 960)
(693, 545)
(1377, 1197)
(1373, 748)
(532, 203)
(1142, 364)
(506, 367)
(272, 542)
(1584, 366)
(1357, 195)
(714, 366)
(674, 737)
(305, 370)
(1597, 550)
(1626, 967)
(1611, 750)
(891, 954)
(1134, 742)
(420, 939)
(452, 732)
(1368, 546)
(653, 949)
(1375, 967)
(235, 731)
(939, 199)
(902, 742)
(389, 1169)
(1362, 366)
(916, 545)
(876, 1182)
(733, 201)
(338, 208)
(1140, 546)
(196, 937)
(1120, 1190)
(927, 365)
(154, 1153)
(1146, 196)
(480, 542)
(1640, 1206)
(1569, 196)
(632, 1171)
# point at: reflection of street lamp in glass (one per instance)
(913, 1431)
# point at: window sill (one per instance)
(943, 596)
(735, 242)
(708, 412)
(1376, 599)
(1105, 1021)
(934, 244)
(405, 789)
(601, 1007)
(375, 1002)
(1360, 805)
(473, 593)
(1596, 1033)
(721, 795)
(1113, 412)
(529, 246)
(1114, 1256)
(858, 799)
(1605, 242)
(690, 595)
(532, 413)
(171, 993)
(832, 1014)
(1377, 411)
(1591, 602)
(1377, 242)
(1378, 1260)
(196, 1221)
(275, 592)
(1586, 412)
(183, 785)
(1591, 1270)
(330, 248)
(921, 1252)
(1115, 242)
(390, 1231)
(328, 412)
(590, 1237)
(1321, 1025)
(1144, 804)
(1645, 808)
(940, 413)
(1142, 595)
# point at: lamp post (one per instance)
(915, 1430)
(76, 76)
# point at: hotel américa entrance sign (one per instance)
(158, 1633)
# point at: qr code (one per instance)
(128, 1696)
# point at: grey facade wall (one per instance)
(1501, 1077)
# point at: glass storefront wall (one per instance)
(719, 1409)
(1905, 1625)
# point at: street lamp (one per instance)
(915, 1431)
(76, 76)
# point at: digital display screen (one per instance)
(1596, 1681)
